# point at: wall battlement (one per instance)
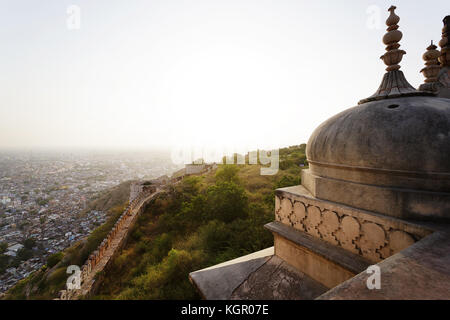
(141, 193)
(100, 259)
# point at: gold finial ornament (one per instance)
(394, 83)
(431, 70)
(391, 39)
(431, 58)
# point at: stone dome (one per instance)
(389, 156)
(391, 153)
(404, 137)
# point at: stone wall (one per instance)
(98, 260)
(111, 246)
(135, 189)
(193, 169)
(375, 237)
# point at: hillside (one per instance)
(51, 278)
(202, 221)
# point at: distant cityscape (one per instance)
(42, 196)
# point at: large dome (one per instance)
(391, 142)
(391, 153)
(390, 156)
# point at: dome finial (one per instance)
(391, 39)
(394, 84)
(431, 70)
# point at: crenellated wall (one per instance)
(100, 259)
(116, 239)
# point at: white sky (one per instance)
(216, 74)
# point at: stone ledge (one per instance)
(419, 228)
(278, 280)
(339, 256)
(368, 234)
(218, 282)
(416, 273)
(391, 201)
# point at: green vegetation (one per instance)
(42, 201)
(203, 221)
(3, 247)
(54, 259)
(50, 279)
(47, 282)
(24, 254)
(4, 261)
(29, 243)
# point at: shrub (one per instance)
(227, 173)
(214, 237)
(226, 201)
(53, 259)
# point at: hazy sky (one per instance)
(206, 73)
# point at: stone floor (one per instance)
(277, 280)
(260, 275)
(420, 272)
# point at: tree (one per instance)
(3, 263)
(226, 201)
(42, 201)
(188, 188)
(29, 243)
(54, 259)
(24, 254)
(214, 236)
(287, 181)
(228, 173)
(3, 247)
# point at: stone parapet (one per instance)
(370, 235)
(109, 247)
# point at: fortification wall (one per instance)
(101, 259)
(109, 248)
(98, 278)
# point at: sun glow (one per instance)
(234, 75)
